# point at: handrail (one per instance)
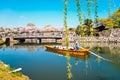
(40, 36)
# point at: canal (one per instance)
(39, 64)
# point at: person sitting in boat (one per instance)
(76, 46)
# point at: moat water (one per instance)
(39, 64)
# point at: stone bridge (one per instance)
(22, 38)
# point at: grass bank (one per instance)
(6, 75)
(1, 42)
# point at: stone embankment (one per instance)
(113, 37)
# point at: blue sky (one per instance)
(16, 13)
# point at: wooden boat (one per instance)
(80, 52)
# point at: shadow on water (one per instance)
(64, 54)
(7, 42)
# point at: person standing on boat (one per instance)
(76, 45)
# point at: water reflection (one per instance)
(110, 51)
(86, 64)
(64, 54)
(69, 73)
(98, 53)
(28, 47)
(68, 57)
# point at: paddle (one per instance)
(97, 55)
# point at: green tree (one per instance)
(84, 29)
(88, 22)
(88, 26)
(80, 30)
(107, 21)
(113, 20)
(115, 17)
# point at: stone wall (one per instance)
(106, 36)
(105, 33)
(115, 35)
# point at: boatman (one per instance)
(76, 45)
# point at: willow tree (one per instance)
(79, 11)
(109, 8)
(65, 23)
(89, 16)
(69, 74)
(98, 52)
(89, 8)
(95, 5)
(79, 29)
(95, 2)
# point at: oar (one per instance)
(97, 55)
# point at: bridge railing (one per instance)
(36, 36)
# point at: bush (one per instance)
(1, 42)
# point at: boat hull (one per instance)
(80, 52)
